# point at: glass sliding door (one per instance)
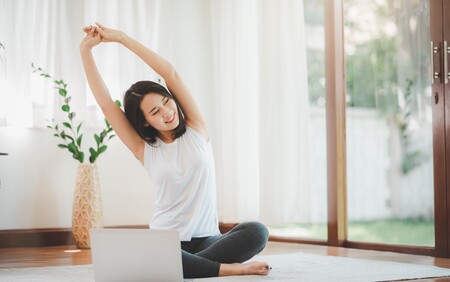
(390, 188)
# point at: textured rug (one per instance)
(287, 267)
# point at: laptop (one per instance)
(136, 255)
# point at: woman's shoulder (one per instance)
(203, 136)
(200, 131)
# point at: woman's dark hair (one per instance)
(132, 102)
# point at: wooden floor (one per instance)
(69, 255)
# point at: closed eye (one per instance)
(165, 100)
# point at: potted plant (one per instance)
(87, 210)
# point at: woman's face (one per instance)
(160, 112)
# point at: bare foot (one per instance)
(254, 267)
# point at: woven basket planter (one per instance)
(87, 204)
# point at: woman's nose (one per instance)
(166, 112)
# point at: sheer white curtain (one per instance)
(286, 194)
(32, 31)
(2, 63)
(235, 47)
(120, 67)
(262, 107)
(47, 33)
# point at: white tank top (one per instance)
(184, 176)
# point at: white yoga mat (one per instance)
(287, 267)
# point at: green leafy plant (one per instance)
(70, 131)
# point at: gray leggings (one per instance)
(202, 256)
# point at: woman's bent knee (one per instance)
(258, 232)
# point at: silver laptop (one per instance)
(136, 255)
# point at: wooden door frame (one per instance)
(335, 120)
(444, 126)
(439, 161)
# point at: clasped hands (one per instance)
(99, 33)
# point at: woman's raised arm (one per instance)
(115, 116)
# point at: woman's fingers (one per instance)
(105, 35)
(88, 29)
(99, 25)
(101, 32)
(92, 32)
(97, 30)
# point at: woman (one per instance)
(168, 135)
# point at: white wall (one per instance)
(38, 179)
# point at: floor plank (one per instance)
(70, 255)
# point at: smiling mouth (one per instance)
(171, 120)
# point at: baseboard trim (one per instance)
(27, 238)
(48, 237)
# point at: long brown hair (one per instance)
(132, 102)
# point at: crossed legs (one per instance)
(222, 255)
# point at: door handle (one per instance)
(433, 50)
(446, 49)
